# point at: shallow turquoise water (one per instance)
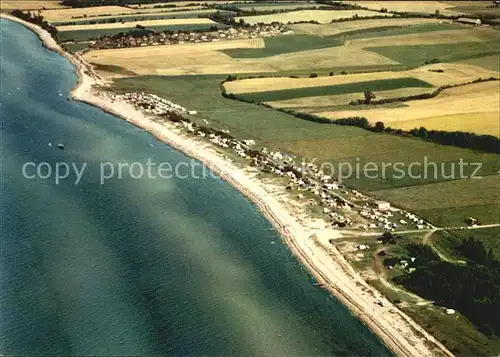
(137, 266)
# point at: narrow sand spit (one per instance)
(401, 334)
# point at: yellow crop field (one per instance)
(339, 27)
(426, 38)
(344, 99)
(205, 59)
(133, 24)
(165, 9)
(467, 108)
(428, 7)
(29, 5)
(179, 4)
(68, 14)
(453, 73)
(322, 16)
(479, 123)
(199, 12)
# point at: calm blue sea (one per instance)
(137, 266)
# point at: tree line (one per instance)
(37, 20)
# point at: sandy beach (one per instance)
(308, 240)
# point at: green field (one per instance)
(386, 31)
(141, 17)
(448, 241)
(489, 62)
(377, 85)
(329, 143)
(88, 35)
(414, 56)
(455, 331)
(478, 198)
(284, 44)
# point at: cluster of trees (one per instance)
(36, 19)
(487, 143)
(472, 289)
(389, 238)
(474, 250)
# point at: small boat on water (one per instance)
(60, 146)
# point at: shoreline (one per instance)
(396, 330)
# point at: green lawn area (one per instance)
(284, 44)
(327, 143)
(87, 35)
(455, 331)
(414, 56)
(377, 85)
(448, 241)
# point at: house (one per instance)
(382, 205)
(467, 21)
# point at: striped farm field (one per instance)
(452, 74)
(68, 14)
(365, 25)
(473, 122)
(344, 99)
(128, 25)
(207, 60)
(356, 87)
(427, 7)
(269, 6)
(423, 38)
(465, 108)
(321, 16)
(29, 5)
(180, 4)
(416, 55)
(140, 17)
